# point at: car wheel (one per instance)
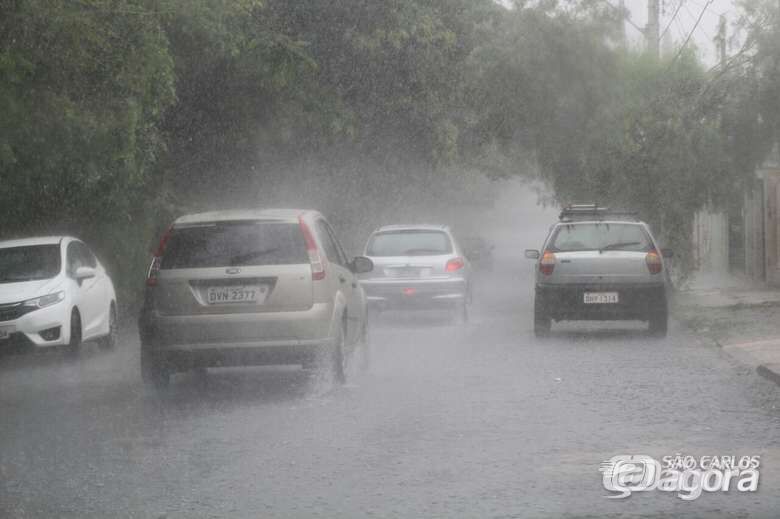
(154, 372)
(365, 347)
(659, 324)
(74, 346)
(542, 320)
(460, 314)
(338, 359)
(109, 341)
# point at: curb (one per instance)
(770, 373)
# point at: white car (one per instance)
(54, 292)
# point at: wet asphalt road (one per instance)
(479, 421)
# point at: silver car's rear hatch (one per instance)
(409, 267)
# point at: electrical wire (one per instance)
(669, 24)
(690, 34)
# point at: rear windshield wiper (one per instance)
(243, 258)
(619, 245)
(420, 252)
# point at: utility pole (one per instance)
(623, 19)
(653, 29)
(720, 40)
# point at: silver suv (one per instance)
(248, 288)
(417, 267)
(598, 264)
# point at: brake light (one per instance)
(547, 263)
(455, 264)
(154, 268)
(654, 263)
(315, 258)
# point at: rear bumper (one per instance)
(635, 302)
(415, 294)
(238, 339)
(183, 357)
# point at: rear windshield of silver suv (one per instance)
(235, 244)
(409, 243)
(600, 236)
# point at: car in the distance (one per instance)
(54, 292)
(598, 264)
(417, 267)
(251, 287)
(479, 252)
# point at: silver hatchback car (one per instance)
(598, 264)
(417, 267)
(247, 288)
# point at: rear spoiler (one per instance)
(593, 212)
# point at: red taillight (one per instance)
(654, 263)
(315, 258)
(455, 264)
(547, 263)
(154, 268)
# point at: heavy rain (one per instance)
(389, 258)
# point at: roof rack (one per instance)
(574, 212)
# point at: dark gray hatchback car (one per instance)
(598, 264)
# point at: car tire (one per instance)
(365, 347)
(542, 320)
(109, 341)
(73, 349)
(154, 372)
(658, 324)
(332, 365)
(338, 362)
(460, 314)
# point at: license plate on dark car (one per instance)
(600, 298)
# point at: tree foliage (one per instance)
(117, 114)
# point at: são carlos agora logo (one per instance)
(686, 475)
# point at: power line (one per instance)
(693, 17)
(697, 2)
(688, 38)
(679, 5)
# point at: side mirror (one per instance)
(667, 253)
(532, 254)
(361, 265)
(83, 273)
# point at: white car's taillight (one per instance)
(454, 265)
(315, 257)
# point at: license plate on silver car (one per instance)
(247, 294)
(600, 298)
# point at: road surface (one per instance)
(480, 421)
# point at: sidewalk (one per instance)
(741, 318)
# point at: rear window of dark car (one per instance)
(600, 236)
(409, 243)
(235, 244)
